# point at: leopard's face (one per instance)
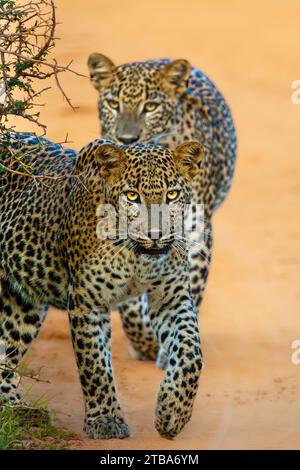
(137, 100)
(149, 187)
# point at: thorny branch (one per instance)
(27, 36)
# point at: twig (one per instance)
(27, 36)
(31, 376)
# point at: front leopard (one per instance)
(53, 253)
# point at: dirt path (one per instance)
(249, 393)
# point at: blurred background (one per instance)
(249, 392)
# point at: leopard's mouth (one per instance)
(153, 251)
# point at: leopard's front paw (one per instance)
(169, 420)
(106, 427)
(173, 410)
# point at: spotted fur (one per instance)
(189, 107)
(50, 254)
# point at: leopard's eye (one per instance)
(113, 104)
(132, 196)
(150, 106)
(173, 195)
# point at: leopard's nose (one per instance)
(155, 235)
(128, 139)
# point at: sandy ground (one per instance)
(249, 392)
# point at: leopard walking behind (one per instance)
(168, 102)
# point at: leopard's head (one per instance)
(137, 100)
(148, 186)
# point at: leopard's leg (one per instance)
(143, 343)
(199, 260)
(91, 332)
(20, 321)
(176, 325)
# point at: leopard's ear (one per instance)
(176, 75)
(101, 69)
(188, 158)
(112, 161)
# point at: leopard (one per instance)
(168, 102)
(58, 247)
